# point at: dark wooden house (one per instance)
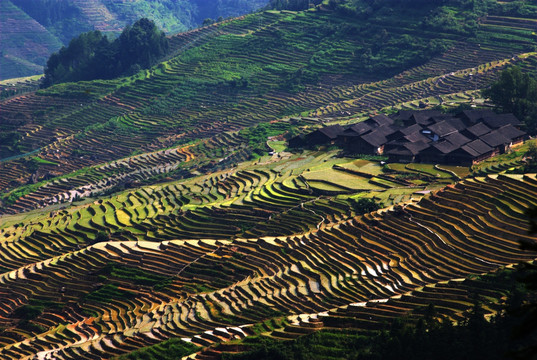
(471, 153)
(476, 131)
(298, 141)
(496, 140)
(325, 135)
(371, 143)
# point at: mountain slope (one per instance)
(25, 43)
(254, 69)
(55, 20)
(139, 211)
(70, 299)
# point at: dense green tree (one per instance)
(516, 92)
(207, 22)
(365, 205)
(92, 55)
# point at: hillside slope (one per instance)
(67, 297)
(32, 30)
(254, 69)
(25, 44)
(160, 215)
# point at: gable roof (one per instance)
(424, 117)
(379, 120)
(442, 128)
(473, 116)
(498, 120)
(442, 117)
(423, 120)
(456, 123)
(457, 139)
(511, 132)
(402, 115)
(375, 138)
(414, 128)
(359, 128)
(386, 130)
(478, 146)
(468, 150)
(495, 138)
(331, 131)
(407, 148)
(478, 129)
(416, 147)
(445, 147)
(416, 136)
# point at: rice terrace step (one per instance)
(281, 179)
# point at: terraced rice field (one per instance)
(142, 285)
(91, 124)
(345, 181)
(161, 221)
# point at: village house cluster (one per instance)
(427, 136)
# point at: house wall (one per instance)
(402, 158)
(317, 138)
(361, 147)
(517, 142)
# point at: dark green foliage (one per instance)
(101, 236)
(92, 55)
(134, 275)
(516, 92)
(424, 334)
(167, 350)
(108, 292)
(141, 44)
(475, 338)
(35, 308)
(257, 136)
(9, 138)
(365, 205)
(28, 312)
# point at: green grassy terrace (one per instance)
(254, 69)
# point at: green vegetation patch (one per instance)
(257, 136)
(171, 349)
(107, 293)
(423, 337)
(135, 275)
(332, 177)
(92, 55)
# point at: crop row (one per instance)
(178, 98)
(116, 296)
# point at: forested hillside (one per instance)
(92, 55)
(33, 29)
(325, 62)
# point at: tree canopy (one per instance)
(92, 55)
(516, 92)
